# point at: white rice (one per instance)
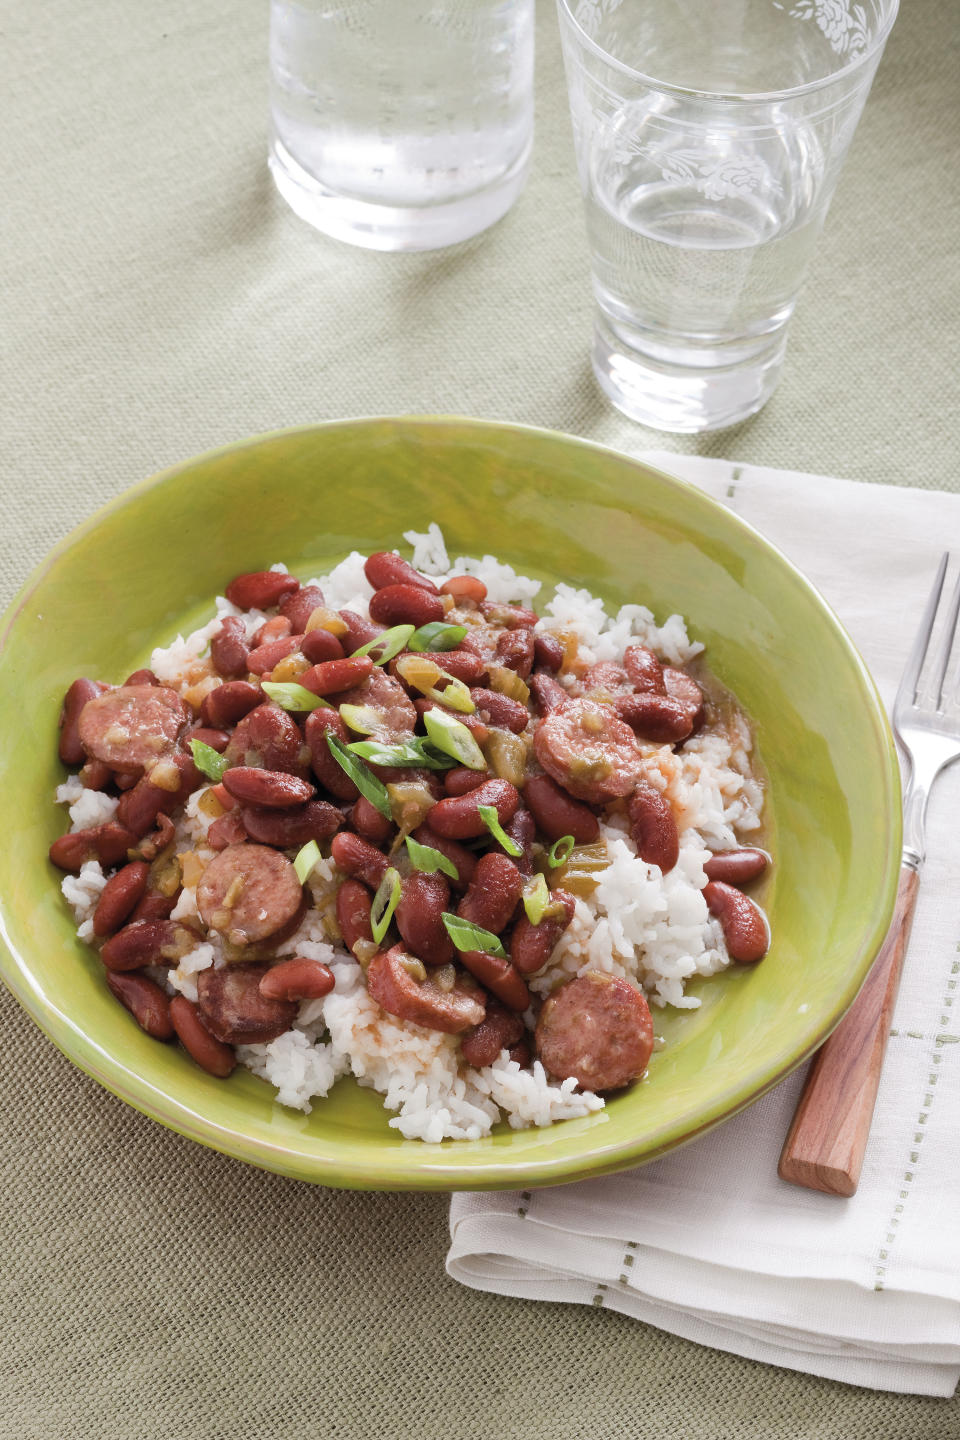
(88, 808)
(651, 928)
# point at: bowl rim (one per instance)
(437, 1168)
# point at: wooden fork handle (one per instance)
(825, 1144)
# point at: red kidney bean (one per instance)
(227, 830)
(143, 942)
(151, 845)
(320, 645)
(353, 913)
(557, 814)
(359, 859)
(682, 688)
(229, 648)
(332, 676)
(744, 924)
(658, 718)
(208, 1052)
(644, 669)
(521, 1054)
(107, 843)
(532, 945)
(499, 976)
(496, 709)
(522, 829)
(512, 617)
(274, 789)
(493, 893)
(462, 665)
(262, 660)
(268, 738)
(276, 628)
(461, 781)
(261, 589)
(155, 906)
(95, 775)
(547, 650)
(422, 1002)
(229, 703)
(333, 779)
(286, 829)
(515, 650)
(298, 607)
(142, 677)
(617, 1019)
(145, 1000)
(458, 817)
(119, 896)
(548, 693)
(368, 822)
(359, 631)
(474, 724)
(297, 979)
(423, 900)
(384, 569)
(606, 678)
(405, 605)
(124, 782)
(498, 1030)
(464, 587)
(463, 859)
(736, 867)
(70, 749)
(217, 739)
(653, 827)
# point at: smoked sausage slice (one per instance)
(248, 892)
(589, 751)
(235, 1009)
(422, 1002)
(596, 1029)
(130, 727)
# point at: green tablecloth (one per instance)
(160, 300)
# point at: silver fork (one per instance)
(825, 1144)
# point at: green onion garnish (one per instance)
(488, 814)
(365, 719)
(414, 753)
(536, 898)
(385, 903)
(383, 647)
(471, 937)
(425, 858)
(305, 860)
(208, 760)
(455, 696)
(293, 697)
(453, 738)
(364, 779)
(438, 635)
(559, 851)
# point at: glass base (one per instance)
(389, 227)
(682, 396)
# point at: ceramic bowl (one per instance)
(558, 508)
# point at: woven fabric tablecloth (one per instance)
(159, 300)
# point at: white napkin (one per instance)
(708, 1242)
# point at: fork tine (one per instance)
(907, 693)
(949, 635)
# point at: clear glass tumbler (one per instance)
(710, 135)
(401, 124)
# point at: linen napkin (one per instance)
(708, 1242)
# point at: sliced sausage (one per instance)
(423, 900)
(268, 739)
(589, 752)
(511, 617)
(557, 814)
(227, 830)
(653, 827)
(493, 894)
(606, 679)
(235, 1009)
(248, 892)
(498, 1030)
(597, 1030)
(289, 829)
(130, 727)
(532, 945)
(422, 1002)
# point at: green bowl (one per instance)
(148, 565)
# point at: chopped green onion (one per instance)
(536, 898)
(471, 937)
(425, 858)
(438, 635)
(305, 860)
(414, 752)
(455, 696)
(293, 697)
(364, 779)
(208, 760)
(365, 719)
(488, 814)
(453, 738)
(390, 643)
(385, 903)
(559, 851)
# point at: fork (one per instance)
(825, 1144)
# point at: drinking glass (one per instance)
(710, 135)
(401, 124)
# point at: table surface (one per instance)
(160, 300)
